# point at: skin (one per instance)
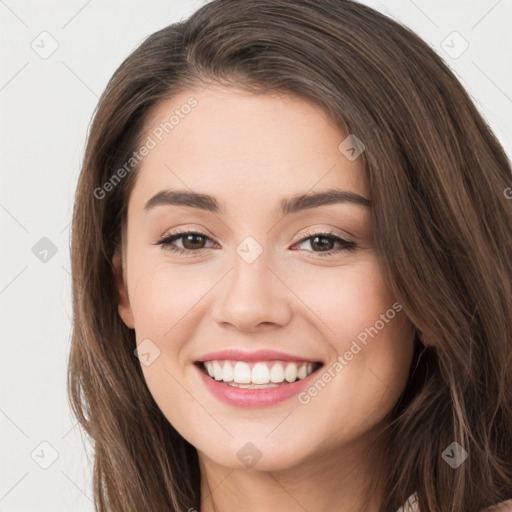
(250, 152)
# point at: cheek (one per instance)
(162, 297)
(346, 300)
(162, 302)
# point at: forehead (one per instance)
(237, 146)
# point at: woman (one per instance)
(292, 271)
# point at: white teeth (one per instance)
(263, 373)
(290, 372)
(217, 370)
(277, 373)
(209, 368)
(227, 373)
(302, 372)
(251, 386)
(242, 373)
(260, 374)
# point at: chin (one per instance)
(254, 455)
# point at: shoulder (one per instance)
(505, 506)
(411, 505)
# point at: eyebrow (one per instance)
(288, 206)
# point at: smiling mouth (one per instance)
(258, 374)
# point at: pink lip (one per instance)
(243, 397)
(258, 355)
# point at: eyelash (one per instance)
(166, 242)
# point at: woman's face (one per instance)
(259, 276)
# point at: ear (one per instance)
(424, 341)
(123, 307)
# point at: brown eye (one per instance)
(323, 244)
(191, 241)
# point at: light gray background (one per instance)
(45, 109)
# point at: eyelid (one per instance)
(326, 231)
(186, 228)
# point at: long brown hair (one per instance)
(443, 231)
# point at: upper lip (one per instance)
(257, 355)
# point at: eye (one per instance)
(326, 240)
(192, 241)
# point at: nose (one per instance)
(252, 296)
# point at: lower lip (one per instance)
(243, 397)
